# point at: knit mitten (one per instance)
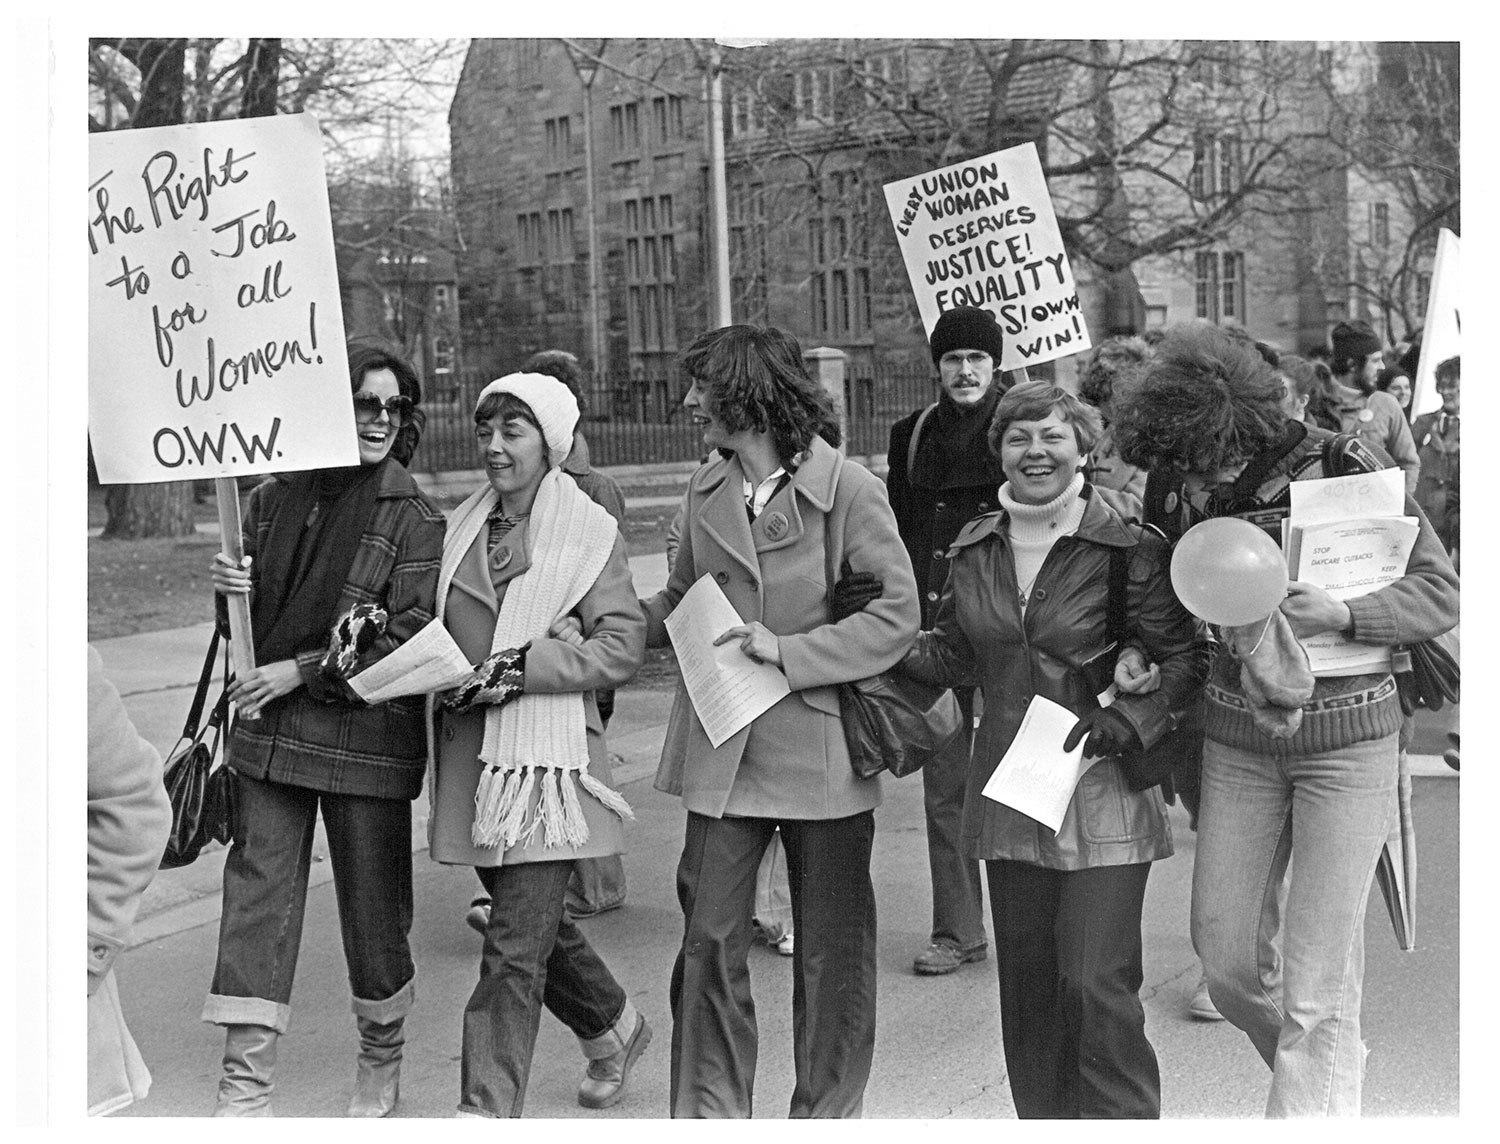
(493, 682)
(1274, 672)
(354, 633)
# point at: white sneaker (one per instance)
(786, 945)
(1202, 1006)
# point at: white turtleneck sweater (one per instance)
(1034, 528)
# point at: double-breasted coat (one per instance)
(613, 648)
(791, 761)
(982, 637)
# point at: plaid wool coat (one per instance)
(321, 736)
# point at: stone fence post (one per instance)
(827, 366)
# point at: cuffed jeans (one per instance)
(265, 898)
(714, 1038)
(957, 901)
(534, 956)
(1291, 976)
(1068, 947)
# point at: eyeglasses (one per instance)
(367, 407)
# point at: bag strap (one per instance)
(916, 433)
(195, 712)
(1260, 466)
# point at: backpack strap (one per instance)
(1344, 454)
(1255, 473)
(916, 433)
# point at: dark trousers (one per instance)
(957, 902)
(265, 891)
(534, 956)
(714, 1040)
(1068, 943)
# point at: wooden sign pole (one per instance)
(241, 642)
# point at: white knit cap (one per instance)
(552, 402)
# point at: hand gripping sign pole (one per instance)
(216, 339)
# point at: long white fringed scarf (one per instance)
(537, 738)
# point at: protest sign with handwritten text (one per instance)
(983, 233)
(216, 340)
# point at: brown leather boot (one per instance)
(249, 1060)
(377, 1076)
(604, 1082)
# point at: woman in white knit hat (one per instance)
(520, 775)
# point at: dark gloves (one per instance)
(853, 591)
(1109, 732)
(494, 682)
(353, 634)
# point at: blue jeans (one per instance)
(534, 956)
(1291, 976)
(265, 897)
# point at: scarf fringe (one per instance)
(500, 806)
(610, 798)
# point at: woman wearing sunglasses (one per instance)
(317, 545)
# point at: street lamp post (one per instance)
(587, 68)
(719, 212)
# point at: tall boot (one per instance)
(249, 1061)
(377, 1077)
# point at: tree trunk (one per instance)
(140, 511)
(262, 70)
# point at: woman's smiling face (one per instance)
(376, 435)
(514, 456)
(1039, 458)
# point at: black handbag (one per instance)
(201, 794)
(1427, 673)
(896, 724)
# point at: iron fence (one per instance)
(642, 422)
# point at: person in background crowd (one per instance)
(130, 817)
(942, 474)
(597, 884)
(1361, 408)
(1286, 970)
(1395, 381)
(769, 519)
(303, 744)
(1026, 612)
(1437, 437)
(1112, 362)
(1301, 386)
(520, 769)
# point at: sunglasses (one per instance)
(367, 407)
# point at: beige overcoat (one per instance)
(791, 762)
(613, 647)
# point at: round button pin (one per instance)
(776, 525)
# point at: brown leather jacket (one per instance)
(982, 638)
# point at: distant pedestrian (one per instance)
(942, 474)
(1287, 970)
(767, 519)
(1112, 364)
(521, 783)
(1395, 381)
(1376, 417)
(1437, 436)
(129, 820)
(304, 746)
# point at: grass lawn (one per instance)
(149, 585)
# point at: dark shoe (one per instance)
(942, 957)
(249, 1061)
(604, 1082)
(478, 917)
(377, 1075)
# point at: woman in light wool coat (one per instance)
(772, 521)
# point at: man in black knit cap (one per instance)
(942, 473)
(1371, 413)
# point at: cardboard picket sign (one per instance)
(983, 233)
(1440, 327)
(216, 336)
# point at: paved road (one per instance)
(938, 1054)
